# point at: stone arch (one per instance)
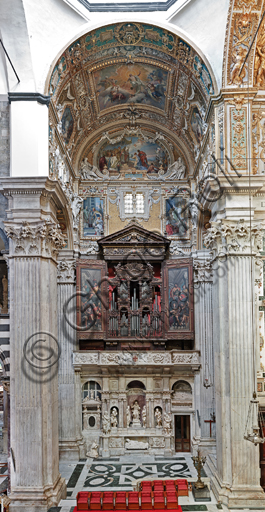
(182, 73)
(182, 385)
(135, 384)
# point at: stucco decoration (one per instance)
(242, 23)
(132, 75)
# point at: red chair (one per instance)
(172, 499)
(120, 500)
(95, 500)
(146, 500)
(146, 483)
(107, 502)
(82, 500)
(159, 499)
(182, 487)
(170, 484)
(133, 500)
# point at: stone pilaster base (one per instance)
(71, 450)
(37, 500)
(234, 497)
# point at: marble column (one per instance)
(236, 479)
(70, 427)
(204, 398)
(35, 240)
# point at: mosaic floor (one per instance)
(121, 472)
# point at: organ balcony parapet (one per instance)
(180, 358)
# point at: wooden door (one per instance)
(182, 433)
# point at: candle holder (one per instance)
(199, 489)
(199, 462)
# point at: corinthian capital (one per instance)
(230, 237)
(203, 272)
(36, 239)
(66, 271)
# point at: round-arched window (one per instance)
(91, 389)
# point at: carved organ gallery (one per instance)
(134, 242)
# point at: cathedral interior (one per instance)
(132, 297)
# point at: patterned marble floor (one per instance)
(121, 472)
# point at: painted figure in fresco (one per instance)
(143, 84)
(102, 163)
(176, 217)
(179, 311)
(134, 152)
(91, 307)
(143, 159)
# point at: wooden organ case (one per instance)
(134, 297)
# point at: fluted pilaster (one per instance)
(235, 249)
(70, 427)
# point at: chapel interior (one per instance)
(132, 293)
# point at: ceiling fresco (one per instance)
(129, 76)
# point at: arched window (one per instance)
(92, 390)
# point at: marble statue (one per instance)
(128, 416)
(114, 418)
(176, 170)
(158, 417)
(93, 452)
(136, 445)
(136, 414)
(76, 203)
(85, 420)
(144, 416)
(106, 423)
(90, 172)
(167, 423)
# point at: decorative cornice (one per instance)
(29, 96)
(42, 240)
(228, 237)
(66, 271)
(124, 7)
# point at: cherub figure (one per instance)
(238, 57)
(261, 67)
